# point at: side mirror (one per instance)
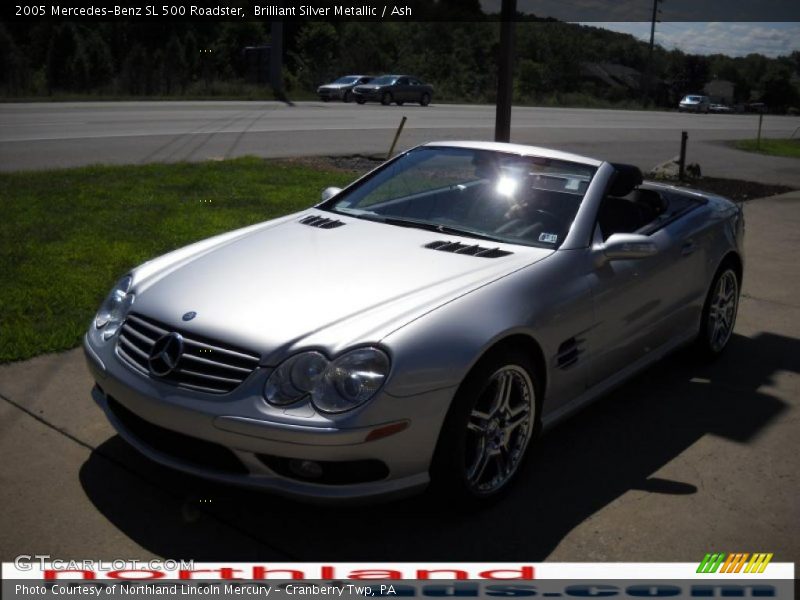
(627, 246)
(329, 192)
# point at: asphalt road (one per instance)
(683, 460)
(45, 135)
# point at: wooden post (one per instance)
(758, 139)
(396, 137)
(682, 160)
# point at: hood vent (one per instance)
(472, 250)
(322, 222)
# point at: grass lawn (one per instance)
(774, 147)
(67, 235)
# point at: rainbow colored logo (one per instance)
(740, 562)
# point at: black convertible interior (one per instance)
(630, 208)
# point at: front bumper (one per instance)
(223, 438)
(368, 94)
(331, 93)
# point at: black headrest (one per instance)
(626, 179)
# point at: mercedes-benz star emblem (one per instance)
(189, 315)
(165, 354)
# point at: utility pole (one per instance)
(649, 67)
(505, 72)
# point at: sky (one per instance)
(733, 39)
(732, 27)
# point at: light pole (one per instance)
(649, 67)
(505, 72)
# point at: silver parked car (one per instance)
(419, 327)
(342, 88)
(694, 103)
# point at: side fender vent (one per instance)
(322, 222)
(471, 250)
(569, 353)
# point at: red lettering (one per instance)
(53, 574)
(521, 573)
(152, 574)
(425, 573)
(376, 574)
(261, 572)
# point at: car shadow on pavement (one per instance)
(610, 448)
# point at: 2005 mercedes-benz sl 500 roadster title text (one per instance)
(417, 328)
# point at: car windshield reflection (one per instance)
(509, 198)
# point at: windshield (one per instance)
(692, 99)
(489, 195)
(348, 79)
(385, 80)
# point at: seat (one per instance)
(618, 215)
(627, 207)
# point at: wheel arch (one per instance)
(518, 341)
(733, 259)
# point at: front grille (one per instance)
(194, 451)
(205, 365)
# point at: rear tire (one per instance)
(425, 99)
(361, 100)
(488, 430)
(386, 99)
(719, 313)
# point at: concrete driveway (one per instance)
(683, 460)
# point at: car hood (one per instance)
(284, 285)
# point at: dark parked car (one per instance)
(394, 88)
(342, 88)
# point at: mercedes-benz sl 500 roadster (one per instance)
(416, 329)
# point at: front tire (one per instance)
(719, 313)
(488, 430)
(361, 100)
(386, 99)
(425, 99)
(348, 96)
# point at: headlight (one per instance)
(114, 308)
(295, 378)
(334, 386)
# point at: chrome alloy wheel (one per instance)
(722, 310)
(499, 428)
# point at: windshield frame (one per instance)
(330, 204)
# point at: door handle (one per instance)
(688, 247)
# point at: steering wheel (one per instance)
(550, 222)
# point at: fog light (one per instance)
(307, 469)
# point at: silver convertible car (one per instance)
(418, 328)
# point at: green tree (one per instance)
(174, 65)
(317, 48)
(100, 61)
(14, 70)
